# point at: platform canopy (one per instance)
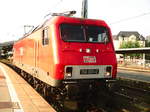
(133, 50)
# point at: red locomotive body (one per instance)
(68, 50)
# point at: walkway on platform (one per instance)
(16, 95)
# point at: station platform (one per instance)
(134, 74)
(16, 95)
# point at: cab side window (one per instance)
(45, 40)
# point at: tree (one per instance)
(5, 51)
(130, 44)
(147, 43)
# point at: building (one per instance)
(116, 42)
(126, 36)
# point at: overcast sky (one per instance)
(121, 15)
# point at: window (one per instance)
(45, 39)
(72, 33)
(82, 33)
(96, 34)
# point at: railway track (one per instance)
(133, 88)
(136, 92)
(126, 96)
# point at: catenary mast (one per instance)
(84, 12)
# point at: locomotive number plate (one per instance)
(89, 59)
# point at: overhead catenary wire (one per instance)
(130, 18)
(56, 5)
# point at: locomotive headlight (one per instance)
(108, 72)
(88, 50)
(68, 72)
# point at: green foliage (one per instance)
(130, 44)
(147, 43)
(5, 51)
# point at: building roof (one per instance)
(114, 37)
(129, 33)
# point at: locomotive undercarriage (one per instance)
(72, 94)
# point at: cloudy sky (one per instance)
(121, 15)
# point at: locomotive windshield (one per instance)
(80, 33)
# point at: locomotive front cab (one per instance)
(87, 59)
(87, 52)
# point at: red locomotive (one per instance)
(68, 55)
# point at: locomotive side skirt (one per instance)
(39, 74)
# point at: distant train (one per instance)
(68, 55)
